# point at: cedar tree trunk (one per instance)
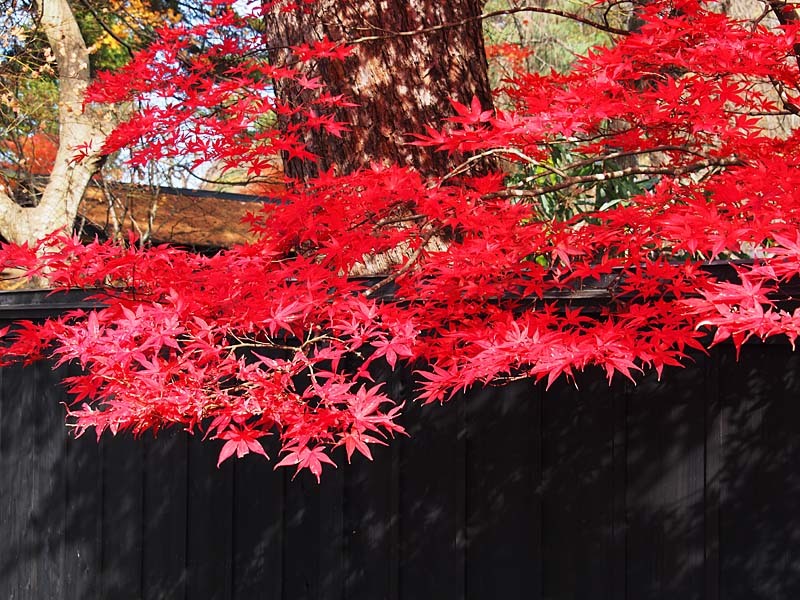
(401, 83)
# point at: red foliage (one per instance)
(514, 54)
(275, 338)
(35, 153)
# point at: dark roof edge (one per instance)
(32, 304)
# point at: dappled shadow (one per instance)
(682, 488)
(759, 480)
(72, 512)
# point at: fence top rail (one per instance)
(42, 303)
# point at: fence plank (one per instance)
(504, 554)
(713, 474)
(301, 564)
(48, 462)
(619, 473)
(165, 520)
(83, 537)
(209, 545)
(313, 560)
(258, 529)
(32, 494)
(432, 502)
(578, 494)
(331, 538)
(18, 486)
(666, 477)
(372, 509)
(759, 518)
(371, 526)
(122, 515)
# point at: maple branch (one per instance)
(464, 167)
(787, 15)
(628, 153)
(562, 171)
(248, 180)
(389, 220)
(405, 268)
(790, 106)
(397, 220)
(598, 177)
(245, 343)
(10, 212)
(482, 17)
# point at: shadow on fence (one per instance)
(685, 488)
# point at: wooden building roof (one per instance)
(186, 217)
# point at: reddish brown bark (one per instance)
(400, 83)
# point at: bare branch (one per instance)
(637, 170)
(106, 28)
(426, 237)
(482, 17)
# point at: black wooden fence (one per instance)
(688, 488)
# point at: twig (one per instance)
(397, 220)
(463, 167)
(404, 269)
(489, 15)
(624, 154)
(598, 177)
(106, 28)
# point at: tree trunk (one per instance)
(401, 83)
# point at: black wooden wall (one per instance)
(686, 488)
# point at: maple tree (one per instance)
(624, 176)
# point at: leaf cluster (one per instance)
(626, 175)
